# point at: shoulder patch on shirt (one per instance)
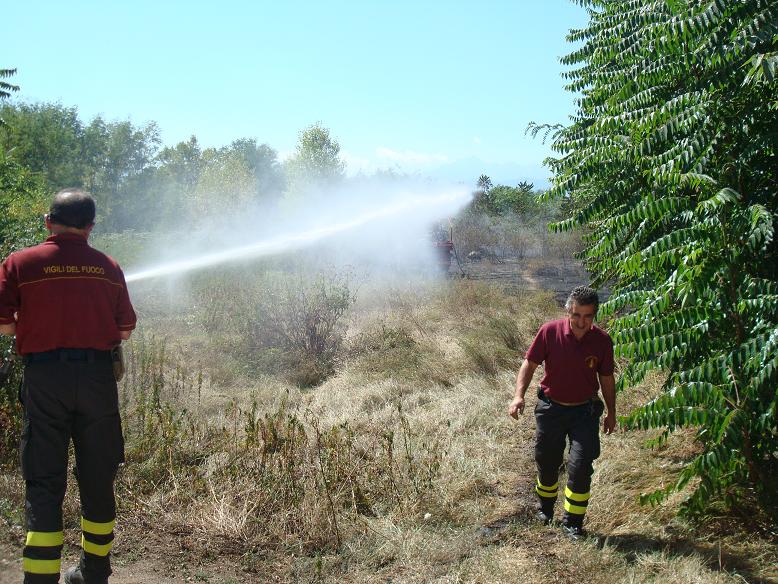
(591, 362)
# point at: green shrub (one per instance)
(23, 199)
(10, 408)
(297, 325)
(273, 317)
(23, 202)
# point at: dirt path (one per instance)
(144, 565)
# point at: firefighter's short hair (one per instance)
(73, 208)
(583, 296)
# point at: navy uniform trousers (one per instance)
(69, 394)
(556, 425)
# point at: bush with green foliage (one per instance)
(520, 200)
(296, 325)
(23, 201)
(671, 163)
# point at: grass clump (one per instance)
(494, 329)
(393, 350)
(385, 349)
(498, 345)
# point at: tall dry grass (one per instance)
(402, 466)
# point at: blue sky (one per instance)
(443, 89)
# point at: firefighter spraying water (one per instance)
(69, 308)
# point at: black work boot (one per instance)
(545, 512)
(573, 529)
(73, 575)
(545, 516)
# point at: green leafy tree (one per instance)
(94, 151)
(23, 199)
(263, 163)
(226, 183)
(138, 186)
(503, 200)
(181, 164)
(110, 159)
(482, 197)
(316, 162)
(484, 183)
(22, 195)
(47, 139)
(177, 171)
(239, 175)
(671, 165)
(519, 200)
(23, 202)
(6, 88)
(123, 174)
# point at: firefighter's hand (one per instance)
(516, 408)
(609, 423)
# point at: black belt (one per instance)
(87, 355)
(544, 398)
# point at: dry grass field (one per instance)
(402, 466)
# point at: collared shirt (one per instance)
(65, 294)
(571, 365)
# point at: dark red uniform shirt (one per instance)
(66, 295)
(571, 365)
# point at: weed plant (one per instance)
(10, 407)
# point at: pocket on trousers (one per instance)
(117, 442)
(542, 407)
(596, 429)
(26, 457)
(111, 447)
(596, 446)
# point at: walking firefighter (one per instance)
(578, 360)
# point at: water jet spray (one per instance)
(440, 203)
